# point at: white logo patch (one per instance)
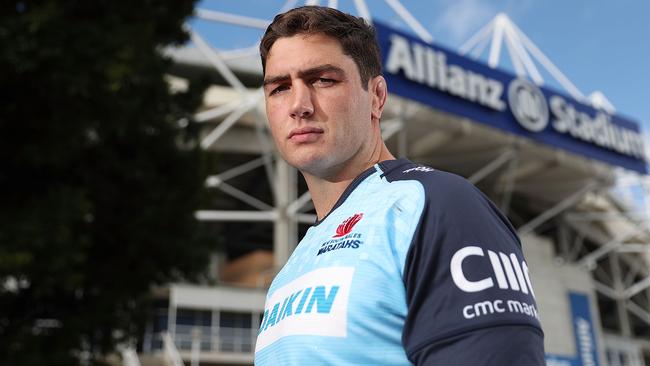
(315, 303)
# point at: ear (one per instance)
(378, 92)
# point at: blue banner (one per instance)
(444, 80)
(583, 332)
(583, 328)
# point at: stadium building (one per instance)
(549, 158)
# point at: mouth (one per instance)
(305, 134)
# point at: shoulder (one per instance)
(433, 180)
(442, 190)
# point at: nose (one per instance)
(302, 105)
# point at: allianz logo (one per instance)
(528, 104)
(427, 66)
(509, 272)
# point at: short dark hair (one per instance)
(357, 38)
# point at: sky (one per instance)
(599, 45)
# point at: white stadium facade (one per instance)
(550, 159)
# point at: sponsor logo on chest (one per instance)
(315, 303)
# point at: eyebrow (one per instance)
(306, 74)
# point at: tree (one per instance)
(97, 198)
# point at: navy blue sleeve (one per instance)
(469, 294)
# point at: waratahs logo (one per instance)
(344, 237)
(347, 225)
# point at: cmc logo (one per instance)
(528, 105)
(508, 271)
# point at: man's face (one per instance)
(319, 113)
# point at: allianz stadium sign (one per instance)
(447, 81)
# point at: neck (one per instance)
(326, 191)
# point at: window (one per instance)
(189, 321)
(235, 332)
(194, 317)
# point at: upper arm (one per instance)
(467, 284)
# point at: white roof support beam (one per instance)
(217, 112)
(481, 47)
(631, 274)
(268, 150)
(634, 248)
(244, 197)
(638, 311)
(520, 48)
(563, 242)
(229, 107)
(241, 20)
(363, 10)
(248, 215)
(217, 62)
(236, 171)
(235, 215)
(606, 290)
(600, 273)
(230, 55)
(509, 187)
(621, 311)
(306, 218)
(557, 209)
(225, 125)
(410, 20)
(590, 259)
(481, 37)
(522, 56)
(546, 62)
(525, 171)
(637, 287)
(577, 245)
(285, 227)
(298, 204)
(290, 4)
(607, 216)
(514, 54)
(430, 142)
(492, 166)
(497, 41)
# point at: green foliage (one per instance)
(96, 197)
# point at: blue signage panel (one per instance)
(583, 328)
(584, 333)
(447, 81)
(552, 360)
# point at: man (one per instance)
(406, 264)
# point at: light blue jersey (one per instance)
(385, 280)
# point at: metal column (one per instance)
(285, 230)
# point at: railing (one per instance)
(210, 339)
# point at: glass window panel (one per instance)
(231, 319)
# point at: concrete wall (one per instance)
(552, 282)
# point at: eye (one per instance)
(324, 81)
(279, 89)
